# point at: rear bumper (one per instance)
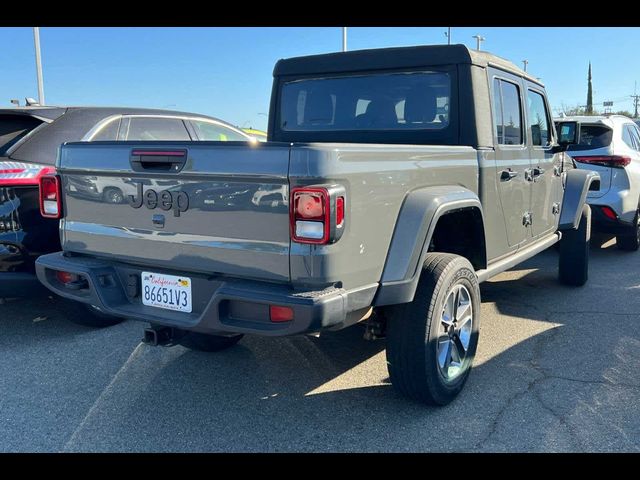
(220, 305)
(601, 223)
(623, 202)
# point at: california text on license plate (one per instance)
(166, 291)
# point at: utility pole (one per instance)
(636, 99)
(479, 38)
(525, 62)
(344, 39)
(36, 41)
(448, 35)
(589, 107)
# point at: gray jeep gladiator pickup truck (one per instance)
(392, 183)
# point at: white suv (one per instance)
(610, 145)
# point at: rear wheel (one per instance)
(573, 266)
(90, 316)
(630, 239)
(207, 343)
(432, 341)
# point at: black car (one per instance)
(29, 141)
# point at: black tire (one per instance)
(629, 241)
(413, 330)
(90, 316)
(207, 343)
(573, 265)
(113, 195)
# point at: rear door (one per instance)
(512, 154)
(545, 172)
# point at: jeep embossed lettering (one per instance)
(166, 200)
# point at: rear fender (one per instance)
(577, 185)
(419, 215)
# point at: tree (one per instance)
(589, 109)
(626, 113)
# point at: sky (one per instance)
(226, 72)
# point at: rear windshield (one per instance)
(592, 137)
(385, 101)
(13, 128)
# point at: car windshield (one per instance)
(13, 128)
(592, 137)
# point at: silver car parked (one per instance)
(610, 145)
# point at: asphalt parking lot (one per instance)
(557, 370)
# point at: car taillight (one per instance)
(280, 314)
(66, 277)
(317, 214)
(339, 211)
(608, 212)
(50, 196)
(617, 161)
(21, 173)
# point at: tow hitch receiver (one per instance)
(160, 336)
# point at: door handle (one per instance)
(506, 175)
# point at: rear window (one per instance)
(592, 137)
(385, 101)
(13, 128)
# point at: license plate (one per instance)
(166, 291)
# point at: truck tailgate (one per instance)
(220, 208)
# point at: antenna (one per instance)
(479, 38)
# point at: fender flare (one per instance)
(577, 185)
(417, 220)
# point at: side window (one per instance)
(107, 132)
(538, 119)
(509, 121)
(215, 132)
(497, 111)
(627, 137)
(156, 128)
(636, 135)
(633, 132)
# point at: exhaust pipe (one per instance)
(159, 336)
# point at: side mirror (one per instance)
(568, 134)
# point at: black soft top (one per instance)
(393, 58)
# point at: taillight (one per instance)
(50, 197)
(608, 212)
(339, 211)
(21, 173)
(280, 314)
(317, 214)
(617, 161)
(66, 277)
